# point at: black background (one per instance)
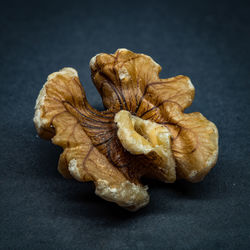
(207, 41)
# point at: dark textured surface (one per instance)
(207, 41)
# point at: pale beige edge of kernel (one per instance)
(74, 171)
(38, 120)
(121, 195)
(190, 84)
(191, 87)
(123, 73)
(121, 49)
(137, 148)
(116, 194)
(93, 61)
(132, 144)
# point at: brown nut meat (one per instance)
(143, 132)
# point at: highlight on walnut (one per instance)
(143, 131)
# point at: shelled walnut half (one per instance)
(143, 132)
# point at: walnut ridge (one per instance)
(143, 132)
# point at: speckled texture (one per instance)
(208, 41)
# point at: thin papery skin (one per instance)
(92, 148)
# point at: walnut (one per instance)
(143, 132)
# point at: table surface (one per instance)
(207, 41)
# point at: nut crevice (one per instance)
(144, 137)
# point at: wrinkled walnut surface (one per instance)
(143, 132)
